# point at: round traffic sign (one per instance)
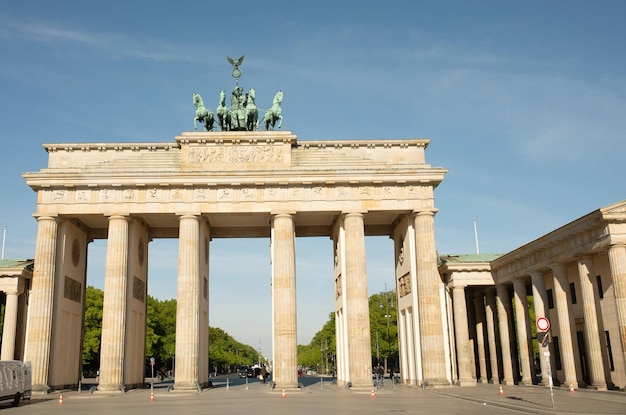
(543, 324)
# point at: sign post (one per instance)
(544, 338)
(152, 367)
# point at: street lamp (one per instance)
(388, 304)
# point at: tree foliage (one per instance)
(93, 328)
(225, 352)
(383, 335)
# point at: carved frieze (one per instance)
(404, 285)
(139, 289)
(72, 289)
(235, 154)
(236, 193)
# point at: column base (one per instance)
(465, 382)
(110, 389)
(40, 389)
(187, 387)
(434, 383)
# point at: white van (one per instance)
(15, 381)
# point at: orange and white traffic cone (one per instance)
(501, 391)
(372, 394)
(282, 395)
(60, 399)
(151, 396)
(571, 387)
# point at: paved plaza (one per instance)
(235, 396)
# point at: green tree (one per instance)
(161, 331)
(93, 328)
(226, 353)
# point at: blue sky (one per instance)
(524, 103)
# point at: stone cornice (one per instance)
(588, 235)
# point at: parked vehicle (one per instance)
(243, 371)
(15, 381)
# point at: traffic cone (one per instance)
(282, 395)
(372, 394)
(571, 387)
(501, 391)
(151, 396)
(60, 399)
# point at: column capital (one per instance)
(557, 267)
(535, 273)
(116, 216)
(53, 218)
(189, 215)
(479, 293)
(283, 214)
(354, 213)
(429, 212)
(502, 290)
(520, 279)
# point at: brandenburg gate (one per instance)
(231, 184)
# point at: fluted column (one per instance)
(187, 309)
(357, 302)
(429, 301)
(617, 264)
(504, 308)
(479, 307)
(461, 336)
(284, 297)
(9, 326)
(593, 324)
(523, 331)
(561, 289)
(114, 307)
(541, 310)
(41, 303)
(490, 317)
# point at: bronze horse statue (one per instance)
(223, 113)
(275, 113)
(202, 113)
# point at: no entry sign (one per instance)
(543, 324)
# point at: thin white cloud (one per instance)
(112, 45)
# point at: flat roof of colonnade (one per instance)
(237, 180)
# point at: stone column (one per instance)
(41, 303)
(284, 296)
(617, 264)
(479, 307)
(541, 310)
(593, 323)
(9, 326)
(504, 309)
(561, 299)
(461, 336)
(490, 317)
(114, 307)
(429, 301)
(523, 331)
(188, 297)
(357, 304)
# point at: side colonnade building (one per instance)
(223, 185)
(575, 276)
